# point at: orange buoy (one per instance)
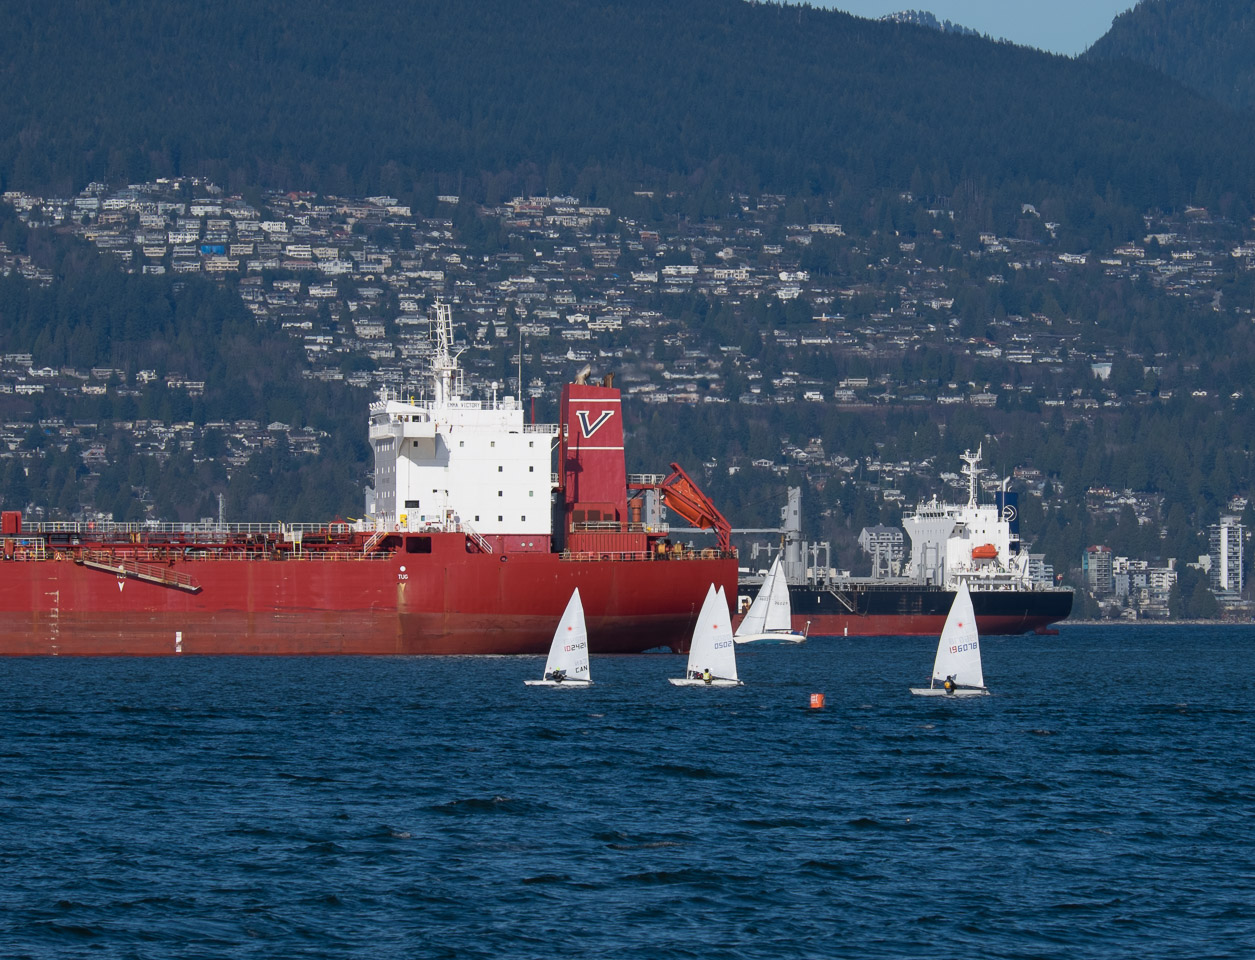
(817, 701)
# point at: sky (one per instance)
(1060, 26)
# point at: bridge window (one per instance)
(418, 545)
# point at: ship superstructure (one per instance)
(449, 463)
(974, 541)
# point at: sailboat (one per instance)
(956, 670)
(567, 663)
(712, 654)
(770, 617)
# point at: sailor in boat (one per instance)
(706, 675)
(949, 685)
(557, 676)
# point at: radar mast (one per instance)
(973, 471)
(446, 377)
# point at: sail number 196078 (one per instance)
(963, 647)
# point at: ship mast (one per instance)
(446, 376)
(973, 471)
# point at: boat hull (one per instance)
(555, 683)
(877, 609)
(765, 639)
(449, 601)
(939, 692)
(684, 682)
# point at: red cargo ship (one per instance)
(449, 562)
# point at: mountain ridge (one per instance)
(497, 98)
(1206, 46)
(925, 18)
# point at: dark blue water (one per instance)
(1100, 804)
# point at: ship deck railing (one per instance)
(618, 526)
(285, 556)
(22, 547)
(674, 555)
(163, 556)
(97, 529)
(476, 539)
(977, 585)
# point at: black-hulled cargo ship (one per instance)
(1012, 592)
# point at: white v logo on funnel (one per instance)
(588, 429)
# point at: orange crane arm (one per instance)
(682, 495)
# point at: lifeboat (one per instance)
(985, 552)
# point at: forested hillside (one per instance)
(496, 97)
(94, 315)
(1208, 45)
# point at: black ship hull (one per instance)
(873, 608)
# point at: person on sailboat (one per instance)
(558, 676)
(949, 685)
(706, 675)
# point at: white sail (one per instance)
(958, 650)
(779, 609)
(568, 652)
(712, 648)
(770, 616)
(756, 616)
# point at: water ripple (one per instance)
(386, 808)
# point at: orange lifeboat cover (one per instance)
(986, 552)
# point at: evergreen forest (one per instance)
(494, 98)
(1204, 44)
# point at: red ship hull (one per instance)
(448, 601)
